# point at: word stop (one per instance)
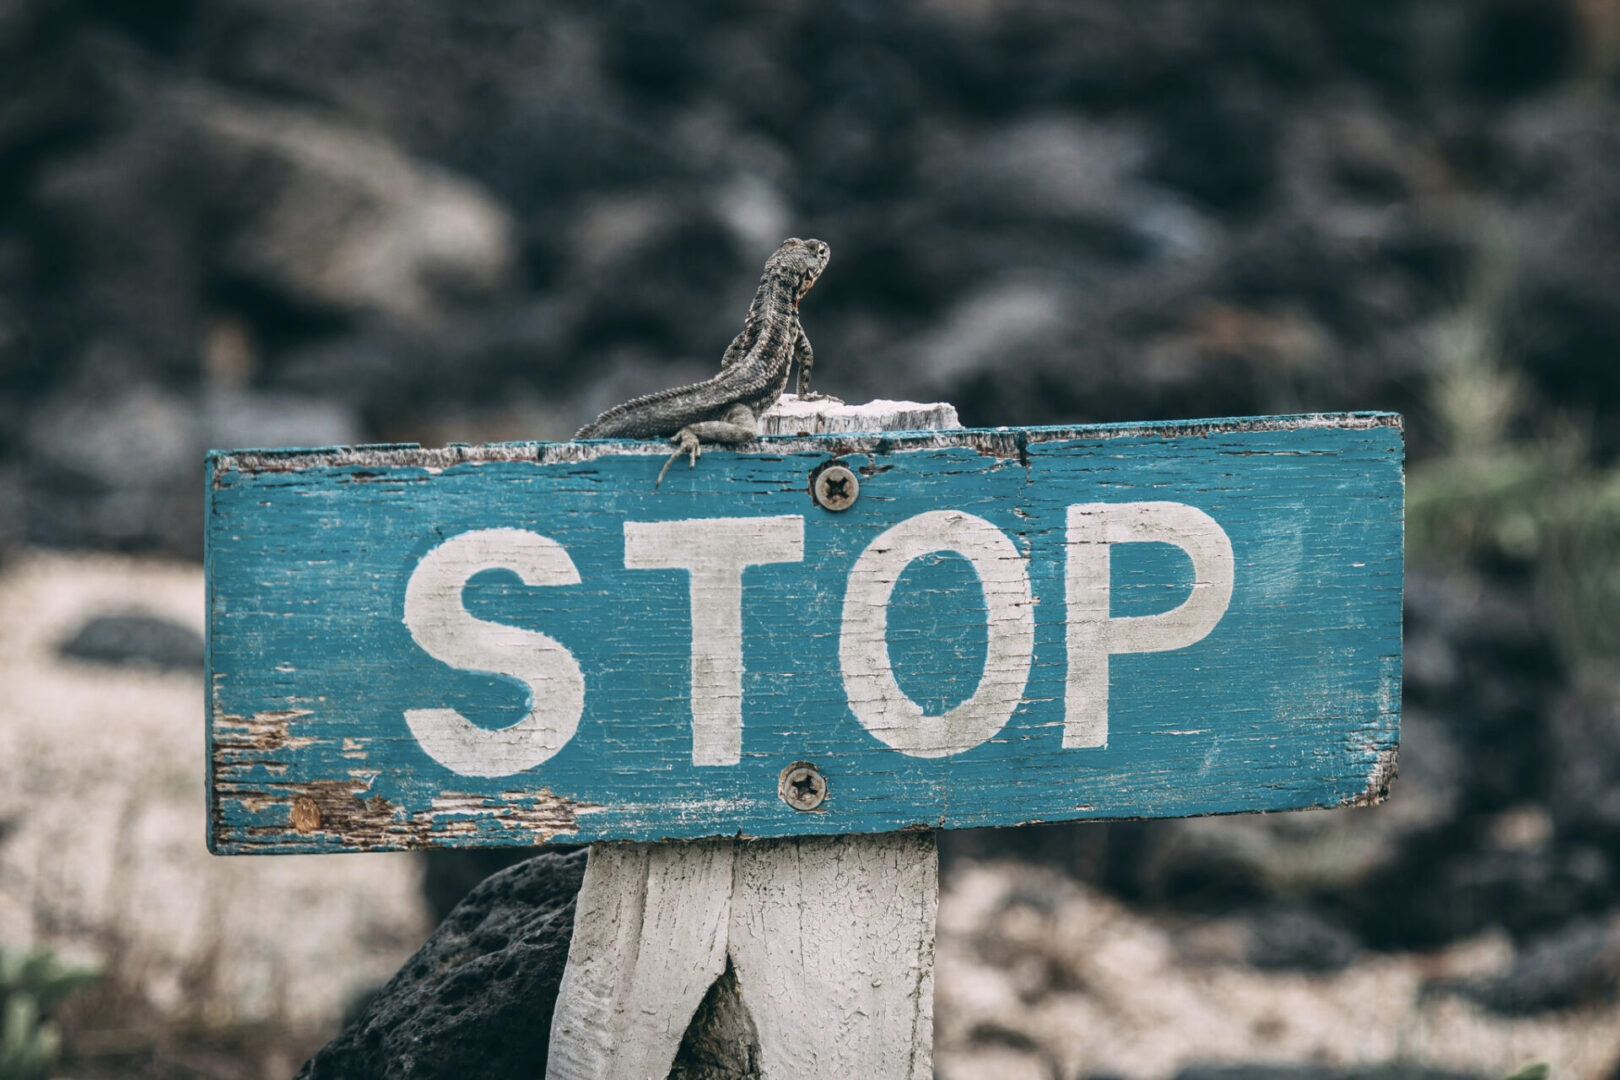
(714, 552)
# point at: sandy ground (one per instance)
(1076, 984)
(102, 791)
(102, 856)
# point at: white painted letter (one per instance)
(1092, 635)
(441, 625)
(863, 647)
(714, 551)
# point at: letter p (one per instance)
(1093, 529)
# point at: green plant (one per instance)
(1515, 486)
(1541, 507)
(1536, 1071)
(31, 984)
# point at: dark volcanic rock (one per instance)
(1585, 731)
(476, 999)
(1296, 938)
(450, 874)
(1485, 668)
(1519, 47)
(137, 640)
(1578, 964)
(1448, 889)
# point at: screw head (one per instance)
(802, 786)
(836, 487)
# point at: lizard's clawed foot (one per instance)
(685, 443)
(819, 396)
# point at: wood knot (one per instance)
(306, 816)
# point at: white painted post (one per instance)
(830, 940)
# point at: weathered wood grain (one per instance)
(830, 939)
(1064, 673)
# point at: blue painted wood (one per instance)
(1291, 700)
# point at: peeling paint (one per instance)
(263, 731)
(341, 812)
(1384, 771)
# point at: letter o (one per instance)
(875, 697)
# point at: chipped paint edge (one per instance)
(1385, 768)
(1004, 442)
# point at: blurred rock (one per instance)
(289, 215)
(340, 218)
(476, 999)
(1576, 965)
(111, 466)
(116, 462)
(365, 60)
(1294, 938)
(1562, 328)
(1519, 47)
(984, 329)
(1484, 666)
(236, 419)
(449, 874)
(13, 509)
(1584, 727)
(116, 436)
(1049, 168)
(1276, 937)
(1449, 889)
(136, 639)
(1219, 144)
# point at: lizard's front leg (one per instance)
(806, 359)
(739, 426)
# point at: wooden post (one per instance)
(829, 941)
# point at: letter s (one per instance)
(444, 629)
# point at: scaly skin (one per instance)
(753, 371)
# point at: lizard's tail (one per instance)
(657, 415)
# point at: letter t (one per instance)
(715, 551)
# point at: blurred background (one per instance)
(297, 222)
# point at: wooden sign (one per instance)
(522, 643)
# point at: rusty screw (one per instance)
(802, 786)
(836, 487)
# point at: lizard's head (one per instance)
(800, 262)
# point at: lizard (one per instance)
(753, 371)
